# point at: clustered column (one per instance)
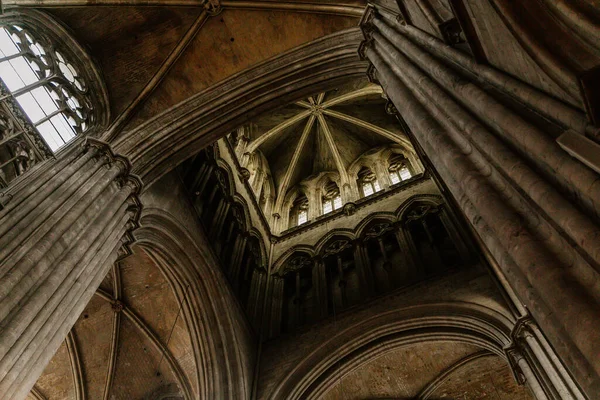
(534, 207)
(59, 236)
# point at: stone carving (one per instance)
(378, 229)
(298, 262)
(337, 247)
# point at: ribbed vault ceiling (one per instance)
(326, 132)
(129, 343)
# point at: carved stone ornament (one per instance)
(372, 74)
(452, 32)
(117, 306)
(421, 211)
(297, 263)
(213, 7)
(378, 230)
(390, 108)
(222, 179)
(337, 247)
(349, 208)
(245, 174)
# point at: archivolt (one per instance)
(368, 339)
(170, 138)
(219, 358)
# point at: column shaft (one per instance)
(58, 239)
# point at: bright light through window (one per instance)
(337, 202)
(405, 173)
(394, 177)
(368, 189)
(44, 84)
(327, 207)
(302, 217)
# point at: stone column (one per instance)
(59, 236)
(364, 269)
(533, 206)
(276, 306)
(218, 220)
(320, 286)
(256, 298)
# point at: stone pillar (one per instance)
(256, 298)
(276, 306)
(364, 269)
(237, 255)
(218, 220)
(320, 286)
(59, 236)
(533, 206)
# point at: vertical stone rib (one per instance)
(546, 154)
(29, 369)
(77, 224)
(488, 149)
(32, 263)
(52, 197)
(27, 200)
(558, 306)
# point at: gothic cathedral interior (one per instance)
(300, 199)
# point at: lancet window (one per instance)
(50, 91)
(367, 181)
(47, 86)
(299, 212)
(399, 169)
(332, 200)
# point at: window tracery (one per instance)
(399, 169)
(50, 91)
(332, 200)
(367, 182)
(299, 212)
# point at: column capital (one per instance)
(514, 355)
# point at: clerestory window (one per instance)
(299, 212)
(50, 91)
(367, 181)
(332, 200)
(45, 84)
(399, 169)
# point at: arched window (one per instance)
(367, 182)
(299, 212)
(331, 199)
(399, 169)
(50, 91)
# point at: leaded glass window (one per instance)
(45, 84)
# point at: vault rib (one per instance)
(160, 346)
(373, 128)
(76, 366)
(119, 123)
(292, 166)
(333, 9)
(37, 395)
(156, 342)
(334, 150)
(277, 130)
(114, 342)
(353, 95)
(436, 382)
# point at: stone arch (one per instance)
(223, 166)
(165, 141)
(367, 339)
(278, 264)
(220, 362)
(253, 232)
(422, 198)
(376, 216)
(341, 233)
(62, 39)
